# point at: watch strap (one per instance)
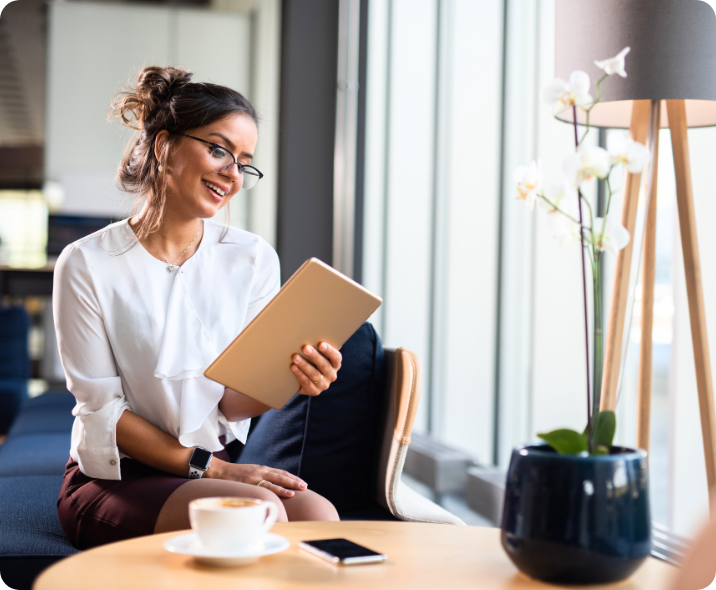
(195, 471)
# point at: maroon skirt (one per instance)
(97, 511)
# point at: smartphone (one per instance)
(341, 551)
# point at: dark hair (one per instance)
(165, 98)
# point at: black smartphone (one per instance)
(341, 551)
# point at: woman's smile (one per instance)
(216, 190)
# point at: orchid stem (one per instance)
(589, 110)
(606, 212)
(584, 290)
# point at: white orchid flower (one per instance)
(632, 154)
(589, 162)
(529, 180)
(614, 65)
(563, 95)
(559, 194)
(610, 235)
(562, 227)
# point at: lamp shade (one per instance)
(673, 55)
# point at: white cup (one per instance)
(231, 524)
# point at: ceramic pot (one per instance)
(577, 520)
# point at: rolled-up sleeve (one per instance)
(89, 367)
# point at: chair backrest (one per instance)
(403, 380)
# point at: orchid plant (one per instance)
(572, 218)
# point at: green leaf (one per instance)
(565, 441)
(606, 424)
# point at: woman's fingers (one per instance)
(332, 354)
(282, 483)
(278, 490)
(318, 370)
(326, 363)
(278, 481)
(309, 369)
(285, 479)
(307, 385)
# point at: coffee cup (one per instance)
(231, 524)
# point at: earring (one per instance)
(160, 168)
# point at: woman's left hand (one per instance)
(318, 370)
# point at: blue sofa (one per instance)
(32, 461)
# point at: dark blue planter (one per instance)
(577, 520)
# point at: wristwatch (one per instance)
(199, 462)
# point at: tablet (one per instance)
(317, 304)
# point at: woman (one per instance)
(144, 306)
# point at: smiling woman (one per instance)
(150, 429)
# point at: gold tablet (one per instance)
(317, 304)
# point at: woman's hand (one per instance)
(316, 374)
(280, 482)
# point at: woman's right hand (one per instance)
(280, 482)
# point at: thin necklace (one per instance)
(173, 267)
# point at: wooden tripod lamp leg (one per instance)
(648, 278)
(620, 290)
(694, 289)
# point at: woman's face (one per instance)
(194, 187)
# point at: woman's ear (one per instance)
(160, 145)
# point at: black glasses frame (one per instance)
(228, 151)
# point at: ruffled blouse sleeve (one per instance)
(264, 287)
(267, 280)
(89, 366)
(187, 349)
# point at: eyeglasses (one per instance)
(223, 160)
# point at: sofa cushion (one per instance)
(13, 392)
(50, 412)
(35, 454)
(331, 440)
(57, 399)
(14, 353)
(14, 363)
(30, 535)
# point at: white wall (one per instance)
(94, 50)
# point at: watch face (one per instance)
(200, 459)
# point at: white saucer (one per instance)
(189, 544)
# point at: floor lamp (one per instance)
(671, 82)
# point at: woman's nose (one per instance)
(234, 173)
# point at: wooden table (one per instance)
(419, 556)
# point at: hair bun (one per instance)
(153, 86)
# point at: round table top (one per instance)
(419, 556)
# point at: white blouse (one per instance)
(134, 336)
